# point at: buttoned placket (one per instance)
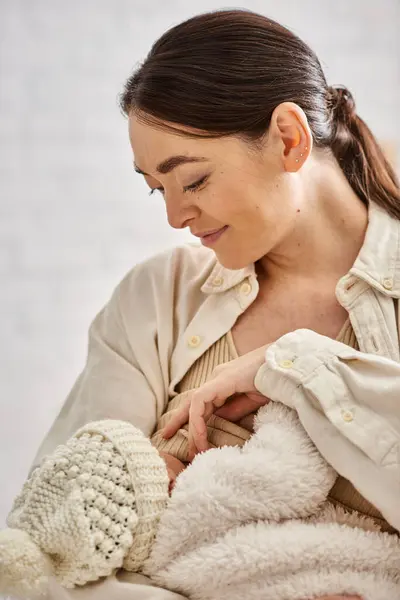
(371, 329)
(199, 336)
(366, 316)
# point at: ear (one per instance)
(290, 126)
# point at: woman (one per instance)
(293, 290)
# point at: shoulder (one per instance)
(166, 276)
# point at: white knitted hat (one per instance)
(90, 508)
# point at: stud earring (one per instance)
(297, 160)
(306, 148)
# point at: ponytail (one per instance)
(360, 156)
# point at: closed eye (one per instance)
(189, 188)
(195, 186)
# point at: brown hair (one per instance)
(224, 73)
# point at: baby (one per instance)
(220, 432)
(101, 502)
(174, 467)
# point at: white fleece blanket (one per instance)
(253, 523)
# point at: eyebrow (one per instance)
(169, 164)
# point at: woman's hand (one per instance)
(235, 378)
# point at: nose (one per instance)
(179, 213)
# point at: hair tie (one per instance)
(342, 102)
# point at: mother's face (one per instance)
(220, 185)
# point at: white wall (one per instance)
(73, 215)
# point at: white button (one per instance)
(388, 283)
(286, 364)
(245, 289)
(194, 341)
(347, 416)
(217, 281)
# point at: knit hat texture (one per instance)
(90, 508)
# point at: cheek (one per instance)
(270, 206)
(242, 203)
(249, 209)
(226, 202)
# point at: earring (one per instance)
(297, 160)
(306, 148)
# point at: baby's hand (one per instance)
(174, 467)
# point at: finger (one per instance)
(193, 446)
(211, 395)
(199, 432)
(178, 419)
(237, 408)
(192, 450)
(241, 406)
(202, 407)
(197, 436)
(214, 392)
(200, 412)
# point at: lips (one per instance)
(206, 233)
(210, 238)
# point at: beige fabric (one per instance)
(224, 433)
(155, 327)
(251, 523)
(343, 492)
(220, 431)
(90, 508)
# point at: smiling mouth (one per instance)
(211, 238)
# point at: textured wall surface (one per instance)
(73, 215)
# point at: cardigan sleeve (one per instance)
(349, 403)
(123, 377)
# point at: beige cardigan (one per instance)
(169, 310)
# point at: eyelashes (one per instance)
(196, 185)
(193, 187)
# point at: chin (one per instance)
(234, 262)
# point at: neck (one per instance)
(327, 233)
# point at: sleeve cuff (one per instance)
(295, 359)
